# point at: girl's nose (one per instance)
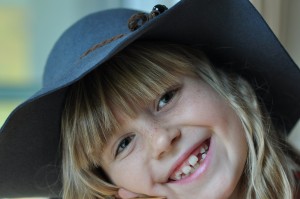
(163, 141)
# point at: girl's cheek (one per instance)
(130, 172)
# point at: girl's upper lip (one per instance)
(182, 158)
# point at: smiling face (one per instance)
(187, 143)
(157, 118)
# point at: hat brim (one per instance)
(231, 32)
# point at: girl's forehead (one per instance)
(121, 117)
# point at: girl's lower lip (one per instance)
(200, 170)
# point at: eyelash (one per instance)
(166, 94)
(119, 150)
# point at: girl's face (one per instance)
(188, 143)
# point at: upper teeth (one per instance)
(193, 160)
(186, 169)
(202, 150)
(205, 147)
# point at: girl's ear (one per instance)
(125, 194)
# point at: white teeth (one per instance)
(193, 160)
(178, 175)
(205, 147)
(194, 164)
(202, 150)
(186, 170)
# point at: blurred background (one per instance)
(29, 29)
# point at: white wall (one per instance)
(283, 17)
(292, 36)
(292, 43)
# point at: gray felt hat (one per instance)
(231, 32)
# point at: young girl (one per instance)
(158, 119)
(176, 108)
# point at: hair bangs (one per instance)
(133, 80)
(89, 120)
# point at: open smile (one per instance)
(191, 163)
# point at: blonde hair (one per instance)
(135, 77)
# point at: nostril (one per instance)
(176, 138)
(163, 141)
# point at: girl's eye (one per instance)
(123, 144)
(165, 99)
